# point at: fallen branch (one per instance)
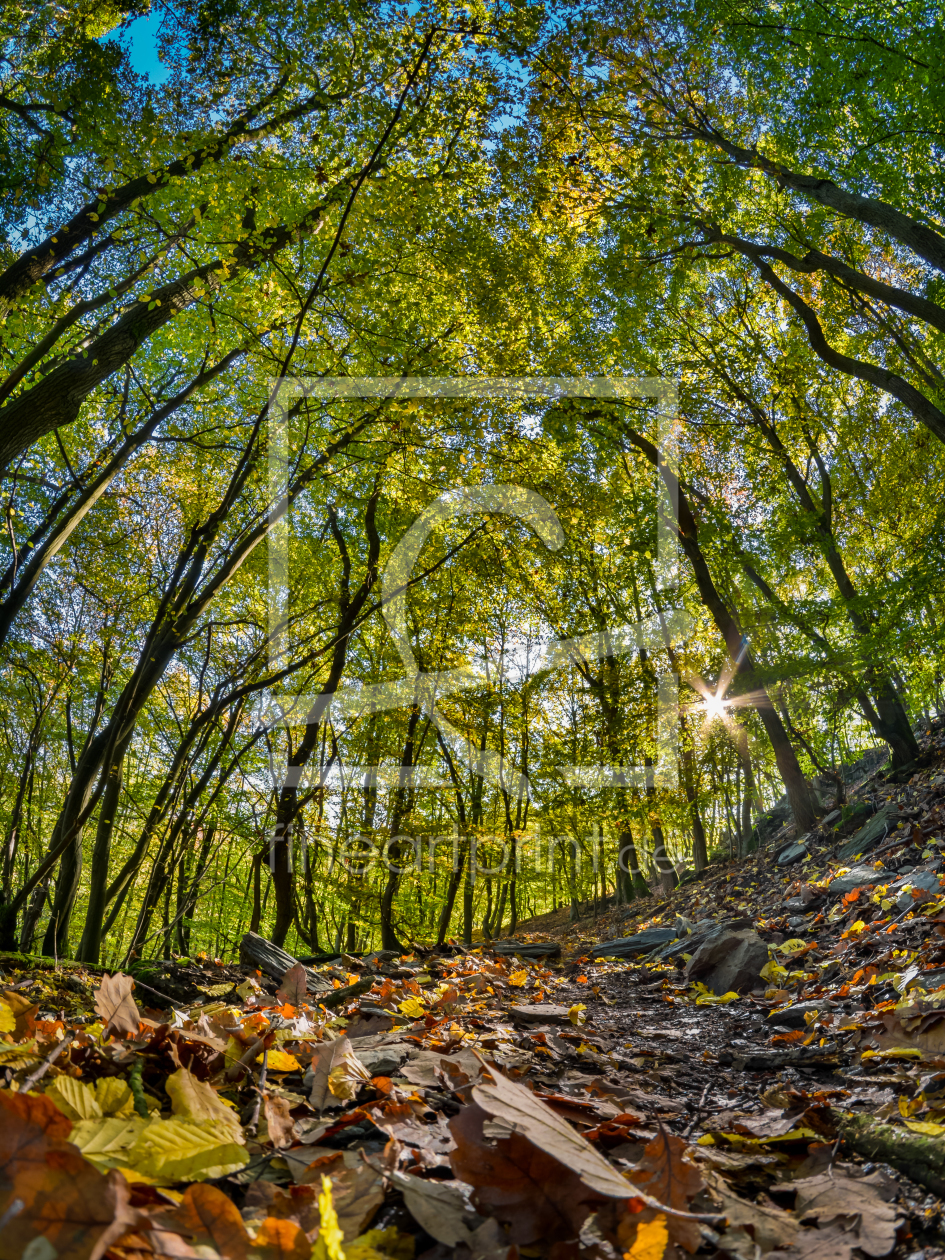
(337, 997)
(922, 1159)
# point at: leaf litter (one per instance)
(594, 1095)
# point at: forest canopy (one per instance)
(634, 532)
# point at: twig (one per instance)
(242, 1064)
(46, 1064)
(698, 1111)
(261, 1085)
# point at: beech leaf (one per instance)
(116, 1006)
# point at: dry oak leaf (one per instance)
(293, 988)
(116, 1006)
(518, 1108)
(768, 1226)
(666, 1174)
(518, 1183)
(858, 1204)
(48, 1191)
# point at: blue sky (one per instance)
(140, 37)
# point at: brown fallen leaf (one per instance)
(293, 988)
(336, 1073)
(41, 1111)
(519, 1109)
(209, 1219)
(48, 1191)
(520, 1184)
(116, 1006)
(279, 1123)
(769, 1227)
(427, 1067)
(818, 1244)
(440, 1207)
(858, 1204)
(666, 1174)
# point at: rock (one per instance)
(855, 878)
(832, 817)
(631, 946)
(729, 961)
(690, 941)
(383, 1061)
(793, 853)
(875, 830)
(541, 1013)
(537, 949)
(795, 1016)
(927, 881)
(797, 905)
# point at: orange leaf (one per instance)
(785, 1038)
(39, 1110)
(281, 1239)
(211, 1219)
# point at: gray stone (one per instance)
(832, 817)
(855, 878)
(384, 1060)
(729, 961)
(690, 941)
(793, 853)
(540, 1013)
(631, 946)
(926, 880)
(878, 827)
(795, 1016)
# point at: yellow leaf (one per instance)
(186, 1150)
(900, 1052)
(706, 1140)
(114, 1096)
(381, 1244)
(107, 1141)
(413, 1008)
(576, 1014)
(650, 1241)
(909, 1106)
(710, 999)
(19, 1056)
(770, 971)
(281, 1061)
(329, 1244)
(792, 946)
(926, 1127)
(217, 990)
(518, 978)
(196, 1100)
(74, 1099)
(7, 1018)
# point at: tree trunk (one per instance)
(802, 805)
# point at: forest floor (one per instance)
(753, 1065)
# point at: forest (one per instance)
(460, 461)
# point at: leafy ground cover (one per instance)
(595, 1100)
